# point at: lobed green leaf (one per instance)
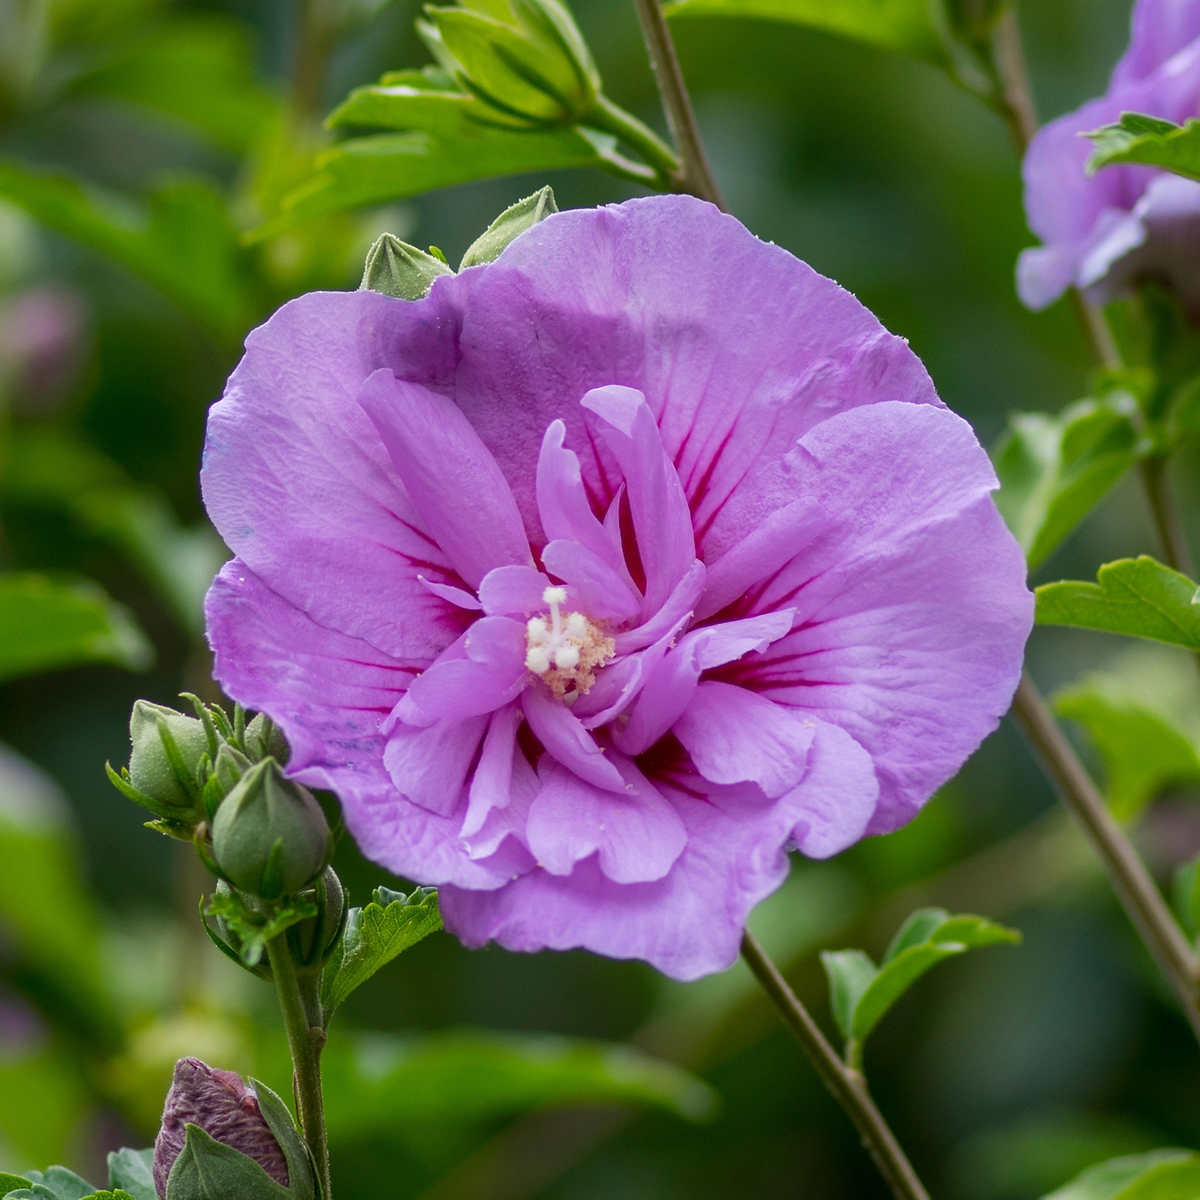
(1149, 141)
(375, 934)
(1137, 597)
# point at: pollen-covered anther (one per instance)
(565, 649)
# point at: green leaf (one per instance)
(1054, 470)
(179, 238)
(46, 623)
(441, 137)
(196, 70)
(133, 1170)
(850, 973)
(1150, 141)
(509, 225)
(374, 935)
(436, 1092)
(1154, 1175)
(862, 993)
(57, 1183)
(1138, 597)
(209, 1170)
(394, 268)
(906, 26)
(8, 1182)
(1143, 750)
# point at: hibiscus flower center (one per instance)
(565, 648)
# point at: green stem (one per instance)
(615, 120)
(1130, 880)
(694, 176)
(847, 1084)
(300, 1005)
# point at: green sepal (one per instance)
(246, 931)
(302, 1176)
(1138, 597)
(509, 225)
(394, 268)
(171, 813)
(133, 1171)
(9, 1182)
(209, 1170)
(374, 935)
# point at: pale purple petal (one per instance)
(636, 836)
(687, 924)
(737, 346)
(838, 794)
(450, 476)
(1095, 228)
(491, 783)
(454, 595)
(513, 591)
(670, 682)
(490, 675)
(564, 737)
(300, 488)
(1160, 29)
(736, 736)
(662, 523)
(596, 587)
(429, 765)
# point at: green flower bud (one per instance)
(394, 268)
(525, 59)
(165, 756)
(269, 836)
(312, 941)
(510, 224)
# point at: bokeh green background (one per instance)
(1003, 1073)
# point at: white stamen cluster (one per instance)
(566, 648)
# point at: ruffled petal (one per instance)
(735, 736)
(513, 591)
(328, 692)
(737, 346)
(636, 836)
(450, 476)
(297, 483)
(1159, 30)
(838, 794)
(490, 675)
(564, 737)
(687, 924)
(429, 765)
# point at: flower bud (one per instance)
(532, 69)
(394, 268)
(252, 1121)
(312, 940)
(269, 836)
(509, 225)
(165, 755)
(264, 739)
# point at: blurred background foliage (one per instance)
(142, 142)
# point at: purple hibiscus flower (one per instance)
(606, 573)
(1124, 223)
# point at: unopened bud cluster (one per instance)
(218, 783)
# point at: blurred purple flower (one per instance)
(226, 1108)
(1101, 232)
(601, 576)
(41, 345)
